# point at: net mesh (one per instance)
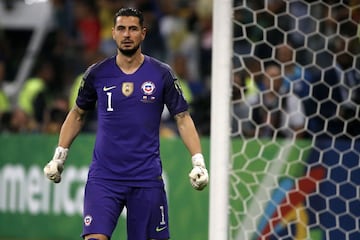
(295, 120)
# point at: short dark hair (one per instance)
(130, 12)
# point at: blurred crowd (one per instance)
(303, 81)
(300, 79)
(178, 33)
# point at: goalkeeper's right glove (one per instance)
(199, 176)
(55, 166)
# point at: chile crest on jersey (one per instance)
(148, 89)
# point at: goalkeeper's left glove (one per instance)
(54, 168)
(199, 176)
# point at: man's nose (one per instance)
(127, 32)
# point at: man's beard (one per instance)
(129, 52)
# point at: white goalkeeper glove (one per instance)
(199, 176)
(54, 168)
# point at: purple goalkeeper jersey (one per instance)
(129, 108)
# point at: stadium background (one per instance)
(45, 46)
(317, 191)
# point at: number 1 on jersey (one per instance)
(109, 107)
(162, 215)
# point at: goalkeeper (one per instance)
(129, 91)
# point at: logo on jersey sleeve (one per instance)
(178, 87)
(127, 88)
(82, 83)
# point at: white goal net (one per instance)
(295, 120)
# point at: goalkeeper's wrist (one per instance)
(60, 154)
(198, 160)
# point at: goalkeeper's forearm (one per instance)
(188, 132)
(71, 127)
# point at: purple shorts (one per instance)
(147, 210)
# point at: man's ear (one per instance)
(112, 33)
(144, 30)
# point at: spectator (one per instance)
(335, 99)
(37, 92)
(277, 113)
(64, 47)
(4, 99)
(106, 11)
(17, 121)
(244, 90)
(87, 25)
(154, 43)
(350, 92)
(177, 29)
(293, 80)
(55, 115)
(206, 49)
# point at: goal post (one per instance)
(220, 119)
(285, 120)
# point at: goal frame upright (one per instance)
(220, 119)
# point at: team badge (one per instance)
(148, 88)
(87, 220)
(127, 88)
